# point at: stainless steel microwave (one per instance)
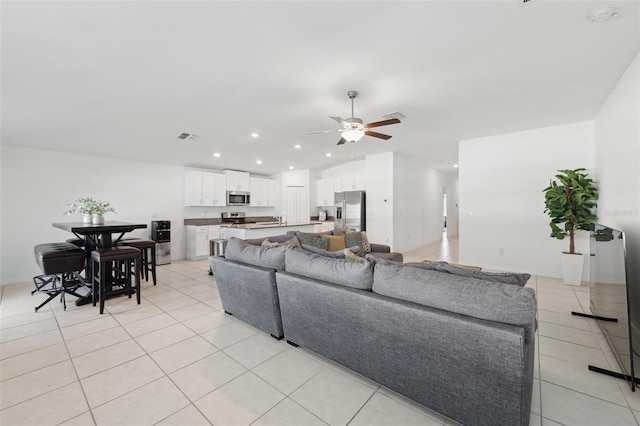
(238, 198)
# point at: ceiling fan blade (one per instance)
(338, 119)
(377, 135)
(321, 131)
(341, 141)
(382, 123)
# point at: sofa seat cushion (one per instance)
(267, 257)
(344, 272)
(482, 299)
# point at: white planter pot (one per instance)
(98, 219)
(572, 268)
(86, 218)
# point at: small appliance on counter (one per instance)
(322, 216)
(161, 234)
(234, 218)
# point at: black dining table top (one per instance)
(82, 228)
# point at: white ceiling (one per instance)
(124, 79)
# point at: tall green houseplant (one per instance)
(570, 204)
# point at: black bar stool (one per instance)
(60, 264)
(148, 249)
(106, 274)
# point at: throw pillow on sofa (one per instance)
(350, 255)
(336, 242)
(267, 257)
(310, 239)
(292, 242)
(358, 239)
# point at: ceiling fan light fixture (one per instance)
(353, 135)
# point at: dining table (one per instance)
(97, 236)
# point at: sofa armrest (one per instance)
(380, 248)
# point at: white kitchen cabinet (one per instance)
(204, 188)
(197, 240)
(237, 181)
(262, 192)
(325, 190)
(350, 181)
(219, 189)
(271, 193)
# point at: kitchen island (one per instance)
(264, 229)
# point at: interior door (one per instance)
(296, 205)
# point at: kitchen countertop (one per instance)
(263, 225)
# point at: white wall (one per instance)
(37, 185)
(502, 224)
(418, 203)
(617, 162)
(379, 176)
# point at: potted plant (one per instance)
(93, 210)
(569, 201)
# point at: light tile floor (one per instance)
(177, 359)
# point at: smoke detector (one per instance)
(603, 14)
(187, 136)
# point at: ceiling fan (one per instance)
(353, 129)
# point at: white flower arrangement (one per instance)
(88, 205)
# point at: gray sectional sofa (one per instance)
(458, 342)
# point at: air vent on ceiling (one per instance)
(185, 136)
(395, 114)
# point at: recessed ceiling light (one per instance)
(216, 154)
(297, 146)
(328, 154)
(455, 165)
(258, 161)
(254, 135)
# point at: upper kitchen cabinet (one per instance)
(325, 189)
(351, 182)
(205, 188)
(262, 192)
(237, 181)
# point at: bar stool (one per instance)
(148, 249)
(60, 264)
(105, 274)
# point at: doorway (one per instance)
(296, 207)
(445, 202)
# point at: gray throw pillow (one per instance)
(353, 239)
(311, 240)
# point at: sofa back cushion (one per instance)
(266, 257)
(344, 272)
(482, 299)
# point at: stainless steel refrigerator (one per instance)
(350, 212)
